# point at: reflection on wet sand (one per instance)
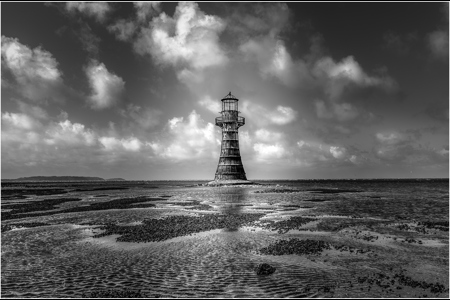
(231, 200)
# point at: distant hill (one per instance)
(115, 179)
(59, 178)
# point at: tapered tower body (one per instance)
(230, 164)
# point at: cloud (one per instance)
(438, 44)
(132, 144)
(392, 138)
(265, 135)
(145, 117)
(124, 30)
(345, 74)
(19, 121)
(89, 41)
(260, 115)
(403, 148)
(257, 28)
(189, 139)
(339, 111)
(268, 152)
(146, 10)
(270, 146)
(275, 61)
(394, 146)
(35, 112)
(35, 71)
(97, 10)
(310, 153)
(189, 39)
(283, 115)
(210, 104)
(107, 88)
(338, 152)
(257, 19)
(34, 145)
(68, 133)
(437, 41)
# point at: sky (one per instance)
(131, 90)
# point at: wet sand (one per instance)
(186, 240)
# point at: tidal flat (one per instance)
(317, 238)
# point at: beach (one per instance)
(303, 238)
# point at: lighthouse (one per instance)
(230, 169)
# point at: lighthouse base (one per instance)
(230, 182)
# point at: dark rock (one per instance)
(265, 269)
(156, 230)
(114, 293)
(286, 225)
(295, 246)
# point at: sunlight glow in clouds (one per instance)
(186, 140)
(66, 132)
(261, 115)
(210, 104)
(267, 152)
(142, 85)
(112, 143)
(35, 71)
(20, 121)
(195, 42)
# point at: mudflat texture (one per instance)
(311, 238)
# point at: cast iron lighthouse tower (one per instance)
(230, 166)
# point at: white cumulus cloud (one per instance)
(107, 88)
(282, 115)
(268, 152)
(112, 143)
(66, 132)
(19, 121)
(35, 70)
(265, 135)
(337, 152)
(190, 38)
(210, 104)
(187, 139)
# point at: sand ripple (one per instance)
(215, 264)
